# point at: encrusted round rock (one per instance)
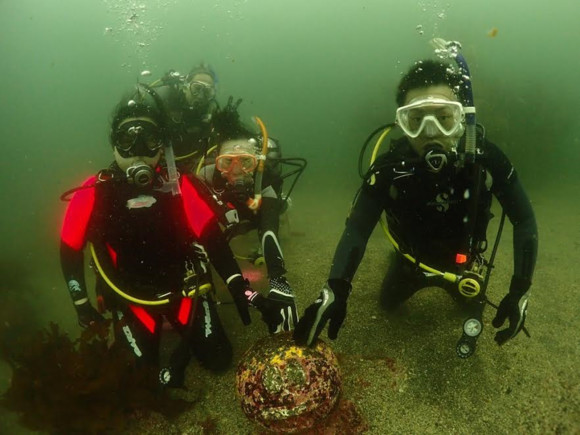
(287, 388)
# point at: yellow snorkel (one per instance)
(255, 202)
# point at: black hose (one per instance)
(366, 144)
(297, 162)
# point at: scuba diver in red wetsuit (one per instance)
(152, 235)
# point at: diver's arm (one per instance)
(268, 226)
(222, 259)
(219, 252)
(73, 238)
(72, 241)
(73, 268)
(519, 210)
(510, 193)
(514, 201)
(271, 207)
(330, 306)
(363, 217)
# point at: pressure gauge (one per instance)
(465, 348)
(472, 327)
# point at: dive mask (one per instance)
(137, 138)
(431, 116)
(201, 90)
(236, 158)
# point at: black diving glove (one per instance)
(281, 292)
(513, 307)
(330, 305)
(227, 116)
(87, 315)
(238, 288)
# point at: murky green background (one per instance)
(321, 74)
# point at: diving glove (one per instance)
(238, 288)
(88, 315)
(244, 295)
(281, 293)
(330, 305)
(513, 307)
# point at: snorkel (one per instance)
(254, 203)
(451, 49)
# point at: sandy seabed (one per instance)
(400, 370)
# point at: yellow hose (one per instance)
(448, 276)
(202, 159)
(177, 159)
(203, 289)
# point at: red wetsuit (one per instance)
(144, 242)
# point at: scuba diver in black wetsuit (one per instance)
(191, 103)
(152, 235)
(198, 123)
(247, 180)
(435, 186)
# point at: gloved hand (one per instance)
(271, 310)
(87, 315)
(238, 288)
(281, 292)
(330, 305)
(228, 116)
(244, 295)
(512, 307)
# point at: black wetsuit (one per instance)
(266, 220)
(190, 127)
(428, 215)
(143, 239)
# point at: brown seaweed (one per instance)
(87, 385)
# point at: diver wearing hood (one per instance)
(151, 246)
(426, 192)
(191, 103)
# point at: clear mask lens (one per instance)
(201, 90)
(228, 162)
(431, 117)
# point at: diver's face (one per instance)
(201, 89)
(433, 136)
(237, 162)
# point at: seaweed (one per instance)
(87, 385)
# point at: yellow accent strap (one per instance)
(203, 289)
(448, 276)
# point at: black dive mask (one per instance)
(137, 138)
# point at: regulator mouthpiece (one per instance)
(140, 174)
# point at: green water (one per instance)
(321, 74)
